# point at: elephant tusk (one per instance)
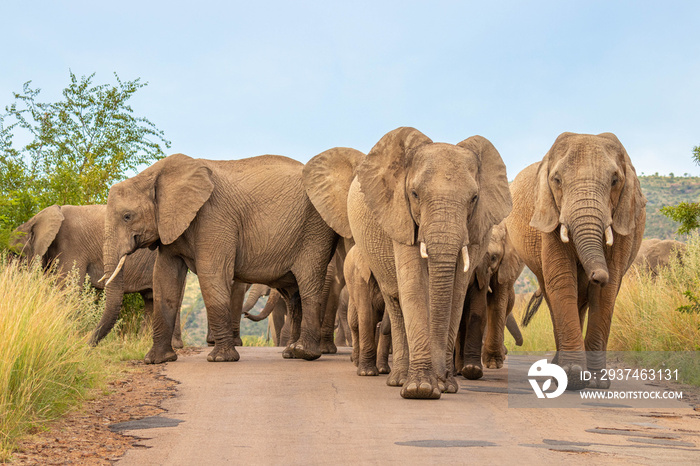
(104, 277)
(564, 234)
(465, 258)
(490, 290)
(116, 271)
(609, 236)
(423, 250)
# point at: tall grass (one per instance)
(46, 366)
(649, 317)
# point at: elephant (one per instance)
(656, 253)
(212, 217)
(343, 335)
(72, 236)
(577, 222)
(274, 306)
(491, 297)
(365, 311)
(418, 211)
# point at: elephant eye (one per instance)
(557, 180)
(614, 180)
(475, 198)
(494, 257)
(414, 194)
(127, 217)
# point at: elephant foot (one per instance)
(449, 385)
(305, 350)
(355, 356)
(328, 347)
(177, 343)
(397, 377)
(288, 353)
(472, 371)
(158, 357)
(494, 360)
(573, 375)
(367, 369)
(383, 367)
(421, 385)
(596, 381)
(223, 353)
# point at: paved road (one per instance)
(267, 410)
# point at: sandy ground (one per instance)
(267, 410)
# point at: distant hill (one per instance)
(663, 191)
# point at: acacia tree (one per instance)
(686, 213)
(78, 147)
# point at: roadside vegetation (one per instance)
(656, 317)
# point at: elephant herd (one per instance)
(426, 238)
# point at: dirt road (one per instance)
(267, 410)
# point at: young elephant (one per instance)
(489, 306)
(418, 211)
(72, 236)
(213, 218)
(577, 223)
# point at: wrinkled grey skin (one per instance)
(213, 218)
(365, 311)
(489, 306)
(656, 253)
(73, 236)
(407, 191)
(567, 208)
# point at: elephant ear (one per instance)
(494, 202)
(546, 215)
(511, 264)
(382, 177)
(327, 178)
(36, 235)
(632, 201)
(182, 187)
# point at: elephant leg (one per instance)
(169, 274)
(384, 345)
(277, 321)
(399, 343)
(449, 383)
(497, 305)
(560, 282)
(216, 292)
(238, 290)
(354, 323)
(293, 323)
(367, 328)
(335, 286)
(422, 379)
(476, 301)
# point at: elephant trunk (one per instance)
(267, 310)
(444, 245)
(587, 228)
(256, 291)
(114, 294)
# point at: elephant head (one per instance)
(588, 188)
(34, 237)
(154, 207)
(444, 197)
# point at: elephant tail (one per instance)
(532, 307)
(512, 327)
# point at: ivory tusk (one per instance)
(104, 277)
(609, 236)
(564, 233)
(116, 271)
(423, 250)
(465, 258)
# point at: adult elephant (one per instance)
(656, 253)
(213, 218)
(418, 211)
(577, 223)
(72, 236)
(488, 308)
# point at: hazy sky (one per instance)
(235, 79)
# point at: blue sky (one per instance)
(234, 79)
